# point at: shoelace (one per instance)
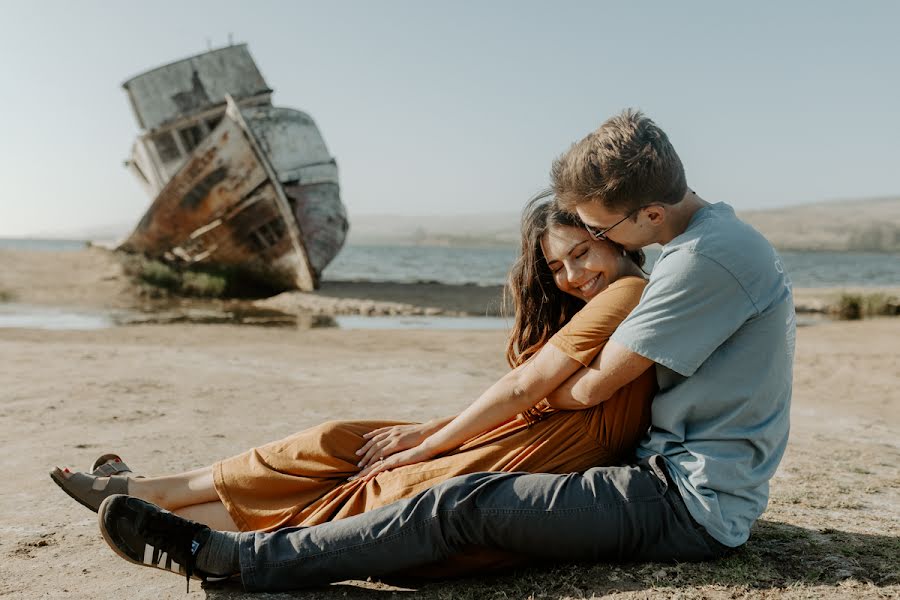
(163, 529)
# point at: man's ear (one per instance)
(656, 214)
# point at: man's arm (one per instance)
(615, 367)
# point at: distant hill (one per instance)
(490, 229)
(871, 225)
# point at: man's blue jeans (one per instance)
(608, 513)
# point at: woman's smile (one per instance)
(581, 266)
(593, 286)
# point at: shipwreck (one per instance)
(236, 182)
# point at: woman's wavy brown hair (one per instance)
(541, 308)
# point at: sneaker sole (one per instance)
(115, 548)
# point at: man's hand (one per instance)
(387, 441)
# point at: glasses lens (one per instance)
(595, 233)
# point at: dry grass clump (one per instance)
(160, 276)
(6, 296)
(204, 285)
(858, 306)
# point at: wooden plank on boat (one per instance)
(225, 207)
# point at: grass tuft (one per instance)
(849, 307)
(159, 276)
(880, 304)
(203, 285)
(857, 306)
(6, 296)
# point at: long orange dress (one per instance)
(302, 479)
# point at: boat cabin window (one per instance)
(166, 147)
(268, 235)
(191, 136)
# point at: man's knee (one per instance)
(463, 490)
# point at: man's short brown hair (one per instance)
(625, 164)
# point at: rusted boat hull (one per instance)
(236, 181)
(226, 207)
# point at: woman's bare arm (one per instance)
(518, 390)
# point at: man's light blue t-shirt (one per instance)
(718, 319)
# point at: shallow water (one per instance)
(24, 316)
(421, 322)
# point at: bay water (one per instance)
(489, 266)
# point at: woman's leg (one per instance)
(211, 514)
(176, 491)
(169, 491)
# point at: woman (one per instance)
(568, 289)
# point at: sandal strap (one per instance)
(111, 468)
(90, 490)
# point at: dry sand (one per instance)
(173, 397)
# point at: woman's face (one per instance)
(581, 266)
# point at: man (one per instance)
(717, 319)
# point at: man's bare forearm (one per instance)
(562, 398)
(615, 367)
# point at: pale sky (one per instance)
(459, 107)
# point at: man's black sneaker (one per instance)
(145, 534)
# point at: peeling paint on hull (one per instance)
(223, 208)
(239, 184)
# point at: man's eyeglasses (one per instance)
(600, 234)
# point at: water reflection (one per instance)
(421, 322)
(23, 316)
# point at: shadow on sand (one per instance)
(778, 556)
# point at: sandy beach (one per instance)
(178, 396)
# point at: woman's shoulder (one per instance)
(623, 291)
(629, 281)
(624, 286)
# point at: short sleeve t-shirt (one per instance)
(718, 319)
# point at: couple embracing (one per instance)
(642, 418)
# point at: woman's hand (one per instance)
(387, 441)
(408, 457)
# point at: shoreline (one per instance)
(94, 278)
